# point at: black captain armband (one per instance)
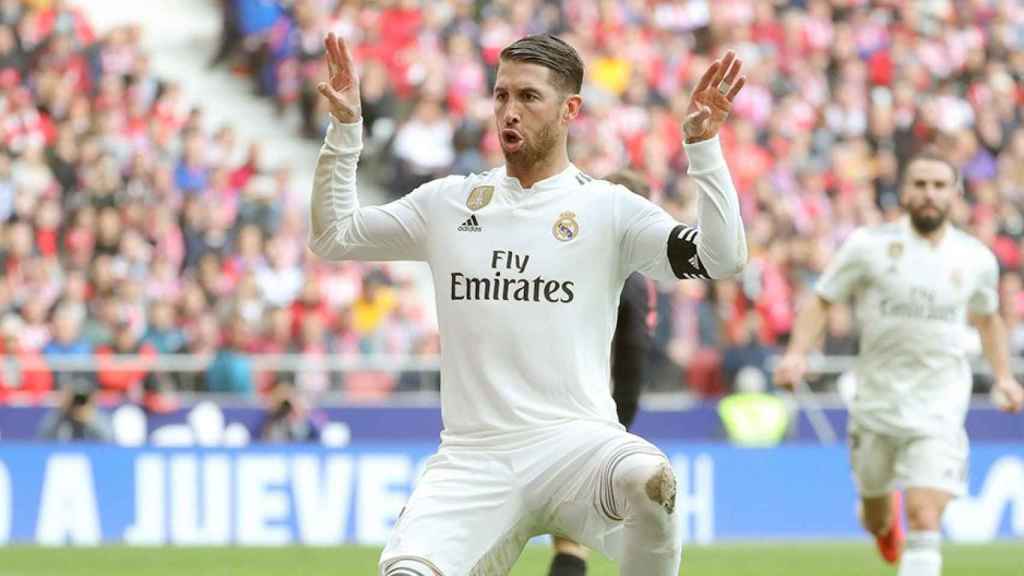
(682, 254)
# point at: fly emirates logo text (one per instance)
(510, 283)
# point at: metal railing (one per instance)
(187, 367)
(191, 363)
(194, 363)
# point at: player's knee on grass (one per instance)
(660, 487)
(646, 497)
(649, 486)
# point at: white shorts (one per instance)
(475, 506)
(883, 463)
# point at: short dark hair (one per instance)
(934, 156)
(552, 53)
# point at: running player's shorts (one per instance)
(883, 463)
(477, 504)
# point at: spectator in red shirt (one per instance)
(24, 376)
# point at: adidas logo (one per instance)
(470, 225)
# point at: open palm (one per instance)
(712, 99)
(342, 87)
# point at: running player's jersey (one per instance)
(527, 281)
(912, 301)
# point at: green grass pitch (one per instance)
(773, 559)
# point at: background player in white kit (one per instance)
(528, 260)
(916, 283)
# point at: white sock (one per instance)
(652, 544)
(921, 555)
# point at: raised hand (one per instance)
(712, 99)
(342, 86)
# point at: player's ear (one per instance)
(571, 108)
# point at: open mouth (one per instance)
(511, 139)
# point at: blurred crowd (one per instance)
(128, 225)
(839, 95)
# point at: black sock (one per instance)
(568, 565)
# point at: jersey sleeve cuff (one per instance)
(345, 137)
(705, 156)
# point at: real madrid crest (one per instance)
(479, 197)
(566, 228)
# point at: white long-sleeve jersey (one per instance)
(912, 302)
(527, 280)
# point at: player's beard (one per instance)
(927, 221)
(533, 150)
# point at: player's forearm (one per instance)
(334, 200)
(722, 244)
(994, 344)
(809, 325)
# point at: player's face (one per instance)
(929, 189)
(530, 112)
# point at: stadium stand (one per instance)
(840, 95)
(120, 211)
(130, 228)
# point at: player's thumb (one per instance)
(695, 121)
(328, 92)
